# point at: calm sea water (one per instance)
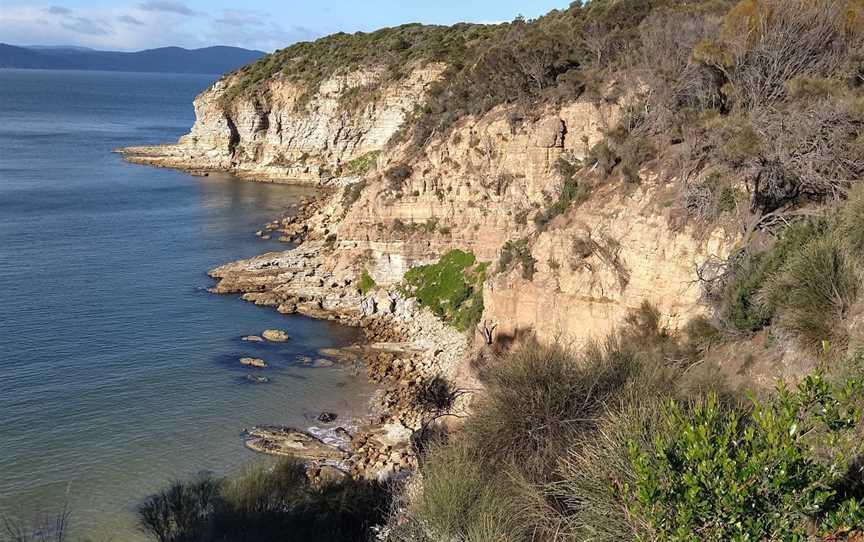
(118, 372)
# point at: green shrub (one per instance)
(735, 474)
(452, 288)
(742, 307)
(572, 192)
(366, 282)
(362, 164)
(813, 292)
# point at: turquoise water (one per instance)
(118, 371)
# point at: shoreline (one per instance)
(403, 347)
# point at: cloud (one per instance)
(146, 24)
(255, 29)
(128, 19)
(167, 6)
(84, 25)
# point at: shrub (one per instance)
(572, 192)
(452, 288)
(539, 399)
(518, 251)
(850, 226)
(742, 307)
(366, 282)
(594, 474)
(264, 504)
(813, 292)
(352, 193)
(362, 164)
(733, 474)
(180, 513)
(397, 175)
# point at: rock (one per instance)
(254, 362)
(549, 133)
(322, 363)
(342, 432)
(288, 441)
(252, 338)
(275, 335)
(326, 417)
(257, 379)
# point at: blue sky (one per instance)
(255, 24)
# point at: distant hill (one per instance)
(213, 60)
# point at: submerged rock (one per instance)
(276, 440)
(326, 417)
(257, 379)
(253, 362)
(275, 335)
(252, 338)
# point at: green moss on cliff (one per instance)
(451, 288)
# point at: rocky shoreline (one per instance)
(405, 347)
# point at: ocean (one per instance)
(118, 371)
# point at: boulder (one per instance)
(275, 335)
(253, 362)
(277, 440)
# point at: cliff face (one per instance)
(280, 132)
(475, 188)
(480, 187)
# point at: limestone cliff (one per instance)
(476, 186)
(285, 131)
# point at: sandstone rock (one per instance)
(276, 440)
(253, 362)
(549, 133)
(275, 335)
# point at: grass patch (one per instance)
(452, 288)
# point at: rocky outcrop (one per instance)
(292, 442)
(283, 131)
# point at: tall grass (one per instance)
(814, 291)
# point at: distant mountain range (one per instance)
(211, 60)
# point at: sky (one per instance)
(253, 24)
